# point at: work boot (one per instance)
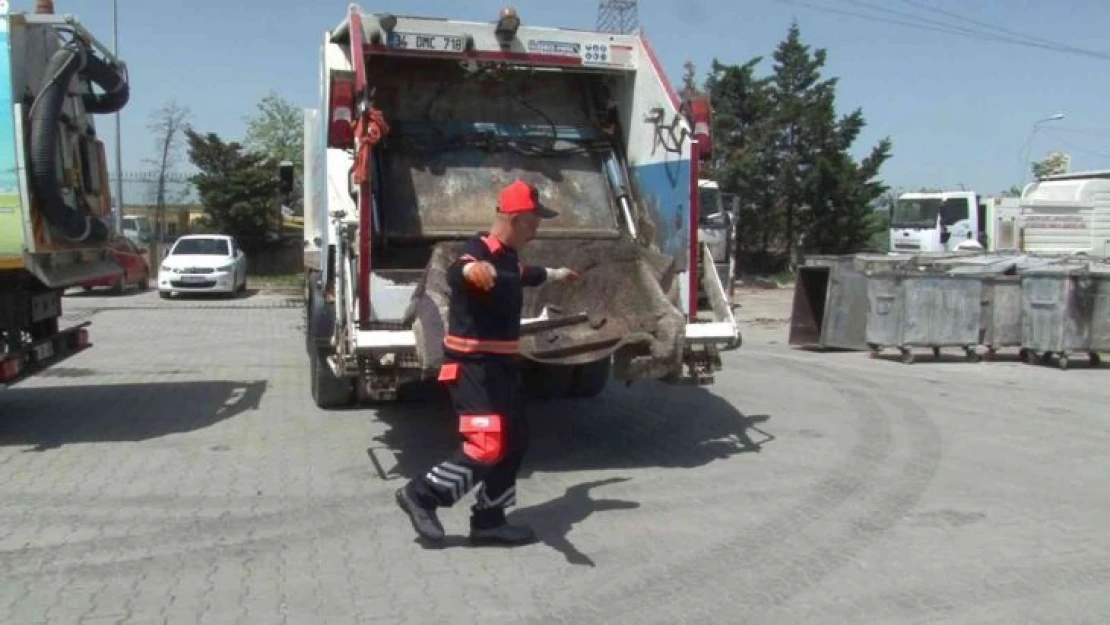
(504, 534)
(424, 520)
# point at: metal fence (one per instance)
(140, 188)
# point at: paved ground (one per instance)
(177, 472)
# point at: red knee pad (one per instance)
(484, 437)
(449, 373)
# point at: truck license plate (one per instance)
(426, 42)
(44, 351)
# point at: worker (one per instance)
(481, 371)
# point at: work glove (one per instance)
(563, 274)
(480, 275)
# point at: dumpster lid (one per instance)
(1072, 266)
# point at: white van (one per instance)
(1067, 214)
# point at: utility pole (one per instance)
(119, 148)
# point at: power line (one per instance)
(1077, 148)
(1015, 36)
(1018, 39)
(964, 18)
(863, 16)
(1083, 131)
(941, 27)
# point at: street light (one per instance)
(1028, 143)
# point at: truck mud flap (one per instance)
(628, 294)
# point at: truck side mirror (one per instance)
(285, 177)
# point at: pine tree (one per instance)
(784, 151)
(742, 127)
(236, 187)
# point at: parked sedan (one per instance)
(132, 260)
(203, 263)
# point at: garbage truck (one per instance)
(55, 200)
(420, 121)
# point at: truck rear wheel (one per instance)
(328, 391)
(544, 381)
(590, 379)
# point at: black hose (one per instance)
(116, 89)
(46, 112)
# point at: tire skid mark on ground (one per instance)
(956, 596)
(712, 572)
(801, 560)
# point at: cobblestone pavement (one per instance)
(178, 472)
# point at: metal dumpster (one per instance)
(830, 299)
(931, 308)
(1000, 321)
(1100, 315)
(1000, 318)
(1065, 310)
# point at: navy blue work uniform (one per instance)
(482, 373)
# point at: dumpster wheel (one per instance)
(972, 355)
(907, 356)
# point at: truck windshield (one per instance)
(710, 206)
(922, 213)
(916, 213)
(138, 225)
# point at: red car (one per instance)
(136, 269)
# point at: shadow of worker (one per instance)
(554, 519)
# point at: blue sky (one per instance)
(959, 109)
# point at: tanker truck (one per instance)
(420, 121)
(54, 189)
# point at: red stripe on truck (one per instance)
(358, 58)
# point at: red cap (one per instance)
(521, 197)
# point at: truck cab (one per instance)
(718, 215)
(137, 229)
(936, 221)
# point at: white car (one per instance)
(203, 263)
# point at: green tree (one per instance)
(786, 153)
(742, 128)
(826, 196)
(1054, 163)
(276, 130)
(237, 188)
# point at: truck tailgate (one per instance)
(628, 293)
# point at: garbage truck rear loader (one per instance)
(421, 121)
